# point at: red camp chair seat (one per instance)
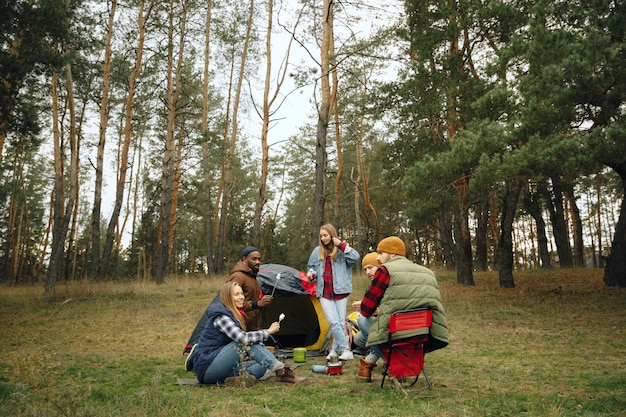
(404, 357)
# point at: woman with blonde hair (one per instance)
(330, 264)
(227, 353)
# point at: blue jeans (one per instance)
(364, 324)
(228, 362)
(335, 312)
(376, 350)
(360, 339)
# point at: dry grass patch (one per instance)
(552, 346)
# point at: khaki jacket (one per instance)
(411, 286)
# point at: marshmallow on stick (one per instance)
(277, 279)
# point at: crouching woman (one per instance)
(227, 354)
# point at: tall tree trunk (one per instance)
(599, 224)
(360, 237)
(45, 241)
(58, 234)
(505, 245)
(615, 263)
(134, 254)
(59, 229)
(592, 231)
(70, 209)
(208, 209)
(94, 242)
(482, 223)
(220, 219)
(12, 240)
(18, 253)
(494, 226)
(176, 189)
(462, 234)
(334, 109)
(107, 264)
(577, 226)
(261, 197)
(559, 227)
(448, 247)
(339, 176)
(533, 207)
(463, 252)
(363, 174)
(73, 255)
(206, 167)
(371, 237)
(62, 214)
(234, 130)
(131, 201)
(323, 120)
(169, 155)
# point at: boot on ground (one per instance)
(287, 375)
(364, 373)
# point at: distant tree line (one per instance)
(488, 135)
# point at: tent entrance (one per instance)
(301, 326)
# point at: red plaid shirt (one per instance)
(329, 288)
(374, 294)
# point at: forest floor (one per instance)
(555, 345)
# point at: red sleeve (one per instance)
(375, 292)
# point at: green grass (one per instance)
(553, 346)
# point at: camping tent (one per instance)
(304, 325)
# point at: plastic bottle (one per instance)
(320, 369)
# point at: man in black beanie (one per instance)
(244, 273)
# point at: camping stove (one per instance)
(333, 365)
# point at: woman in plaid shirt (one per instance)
(330, 264)
(227, 353)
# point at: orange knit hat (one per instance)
(393, 245)
(370, 259)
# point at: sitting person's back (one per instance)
(399, 285)
(410, 286)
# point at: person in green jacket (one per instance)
(399, 284)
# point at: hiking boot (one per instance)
(365, 371)
(240, 381)
(287, 375)
(189, 359)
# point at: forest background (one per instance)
(487, 134)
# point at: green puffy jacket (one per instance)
(411, 286)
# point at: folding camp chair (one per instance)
(404, 356)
